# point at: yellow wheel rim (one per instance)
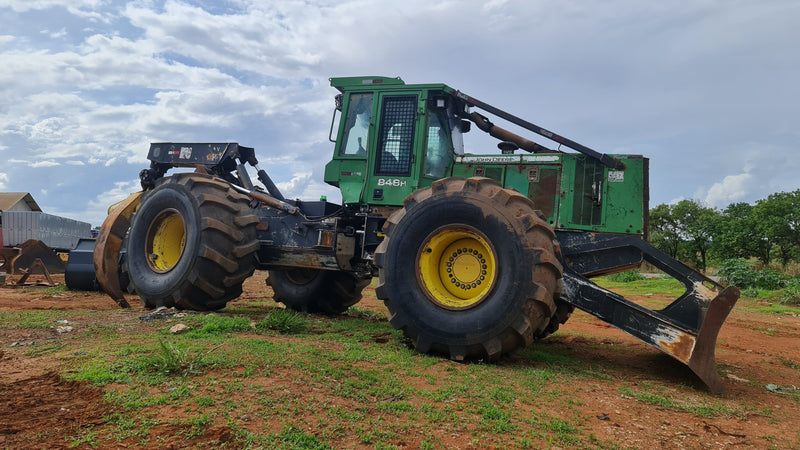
(456, 267)
(166, 239)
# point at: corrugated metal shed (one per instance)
(55, 231)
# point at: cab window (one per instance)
(437, 155)
(356, 138)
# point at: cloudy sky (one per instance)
(708, 90)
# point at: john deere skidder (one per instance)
(476, 255)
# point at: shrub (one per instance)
(791, 294)
(626, 277)
(740, 273)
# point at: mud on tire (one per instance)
(523, 263)
(316, 291)
(192, 243)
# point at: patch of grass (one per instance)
(789, 363)
(45, 349)
(550, 357)
(88, 437)
(365, 314)
(626, 277)
(777, 309)
(566, 433)
(126, 427)
(101, 372)
(375, 436)
(136, 397)
(495, 419)
(666, 286)
(17, 320)
(176, 360)
(214, 324)
(294, 438)
(283, 321)
(205, 401)
(197, 424)
(659, 399)
(55, 290)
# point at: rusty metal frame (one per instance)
(37, 263)
(108, 245)
(686, 329)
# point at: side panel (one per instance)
(537, 176)
(596, 198)
(573, 192)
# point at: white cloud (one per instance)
(732, 189)
(46, 163)
(81, 8)
(3, 181)
(97, 208)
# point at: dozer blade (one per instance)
(108, 245)
(686, 329)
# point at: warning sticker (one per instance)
(616, 176)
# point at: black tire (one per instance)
(202, 264)
(516, 301)
(316, 291)
(563, 312)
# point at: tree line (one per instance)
(698, 235)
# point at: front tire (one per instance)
(192, 243)
(316, 291)
(468, 269)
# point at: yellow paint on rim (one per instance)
(166, 239)
(456, 267)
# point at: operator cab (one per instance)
(392, 139)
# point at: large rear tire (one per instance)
(316, 291)
(469, 269)
(192, 243)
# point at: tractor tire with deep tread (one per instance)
(316, 291)
(469, 269)
(564, 311)
(192, 243)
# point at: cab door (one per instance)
(393, 164)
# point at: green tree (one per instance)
(741, 234)
(664, 233)
(685, 229)
(697, 224)
(779, 216)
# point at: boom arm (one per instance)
(602, 157)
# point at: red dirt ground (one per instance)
(38, 409)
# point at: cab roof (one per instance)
(374, 82)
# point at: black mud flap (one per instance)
(686, 329)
